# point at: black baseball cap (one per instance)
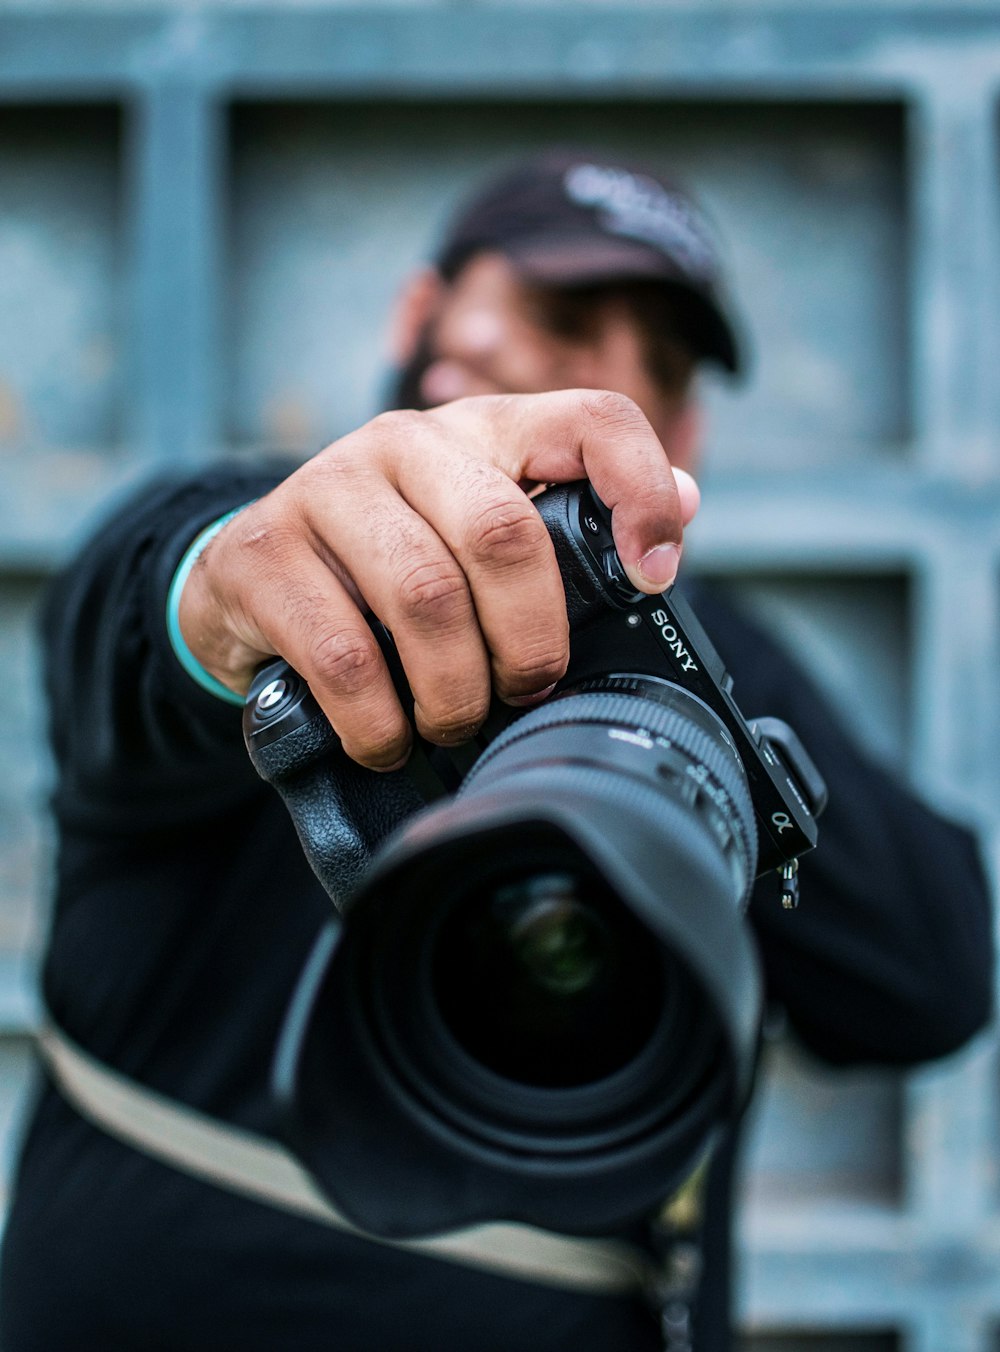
(576, 219)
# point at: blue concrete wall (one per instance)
(205, 211)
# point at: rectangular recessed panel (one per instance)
(333, 204)
(61, 275)
(816, 1133)
(852, 635)
(814, 203)
(24, 773)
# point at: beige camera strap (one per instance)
(256, 1167)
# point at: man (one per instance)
(185, 907)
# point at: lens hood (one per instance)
(447, 1141)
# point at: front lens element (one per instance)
(559, 943)
(547, 979)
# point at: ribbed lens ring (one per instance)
(628, 711)
(640, 714)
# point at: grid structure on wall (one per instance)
(204, 211)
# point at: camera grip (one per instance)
(341, 811)
(561, 508)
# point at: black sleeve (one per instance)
(889, 958)
(137, 742)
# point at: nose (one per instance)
(466, 346)
(446, 380)
(475, 333)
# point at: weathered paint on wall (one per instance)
(204, 213)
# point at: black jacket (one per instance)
(184, 910)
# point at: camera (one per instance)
(538, 998)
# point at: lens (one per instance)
(546, 979)
(559, 943)
(544, 1000)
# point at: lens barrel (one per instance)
(543, 1001)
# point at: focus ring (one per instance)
(638, 714)
(634, 712)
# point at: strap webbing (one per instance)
(253, 1166)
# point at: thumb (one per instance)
(657, 568)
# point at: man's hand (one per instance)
(424, 518)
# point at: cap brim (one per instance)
(577, 261)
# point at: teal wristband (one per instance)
(182, 652)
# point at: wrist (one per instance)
(178, 643)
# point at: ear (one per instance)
(411, 313)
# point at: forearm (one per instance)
(132, 732)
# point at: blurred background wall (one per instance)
(205, 210)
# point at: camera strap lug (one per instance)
(789, 874)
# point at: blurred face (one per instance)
(490, 332)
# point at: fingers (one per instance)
(415, 584)
(295, 573)
(508, 563)
(454, 558)
(623, 458)
(420, 518)
(595, 434)
(260, 588)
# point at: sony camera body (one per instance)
(538, 999)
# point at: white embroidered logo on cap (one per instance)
(643, 209)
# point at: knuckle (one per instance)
(263, 538)
(453, 725)
(398, 428)
(355, 456)
(372, 451)
(433, 594)
(398, 421)
(382, 747)
(335, 469)
(527, 672)
(344, 660)
(507, 533)
(610, 411)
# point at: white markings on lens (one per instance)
(634, 738)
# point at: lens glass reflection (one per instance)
(547, 979)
